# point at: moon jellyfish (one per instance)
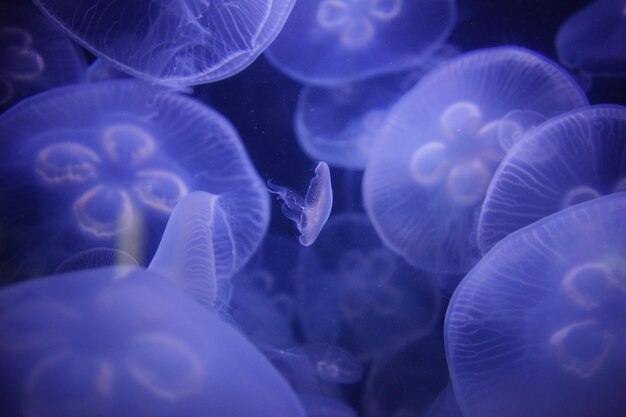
(330, 42)
(125, 342)
(177, 42)
(432, 164)
(104, 164)
(339, 124)
(572, 158)
(592, 40)
(310, 212)
(537, 327)
(96, 258)
(355, 293)
(34, 55)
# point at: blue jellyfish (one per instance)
(104, 165)
(331, 363)
(431, 166)
(310, 212)
(96, 258)
(355, 293)
(575, 157)
(537, 327)
(34, 55)
(339, 124)
(592, 40)
(406, 382)
(125, 342)
(183, 42)
(331, 42)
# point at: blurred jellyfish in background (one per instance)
(339, 124)
(572, 158)
(355, 293)
(432, 164)
(96, 258)
(592, 40)
(34, 54)
(125, 342)
(537, 327)
(177, 42)
(104, 164)
(310, 212)
(445, 405)
(406, 382)
(331, 42)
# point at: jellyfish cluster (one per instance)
(313, 208)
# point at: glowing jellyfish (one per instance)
(104, 164)
(310, 212)
(572, 158)
(126, 342)
(330, 42)
(432, 164)
(175, 42)
(537, 327)
(34, 55)
(331, 363)
(339, 124)
(96, 258)
(355, 293)
(592, 40)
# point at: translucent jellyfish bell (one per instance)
(311, 211)
(570, 159)
(34, 54)
(104, 164)
(330, 42)
(96, 258)
(432, 164)
(592, 40)
(126, 342)
(539, 320)
(175, 42)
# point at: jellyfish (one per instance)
(126, 342)
(175, 42)
(537, 327)
(574, 157)
(431, 166)
(592, 40)
(96, 258)
(354, 293)
(34, 55)
(338, 124)
(331, 363)
(310, 212)
(104, 164)
(332, 42)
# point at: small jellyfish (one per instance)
(126, 342)
(431, 166)
(339, 124)
(331, 363)
(310, 212)
(539, 321)
(104, 164)
(574, 157)
(592, 40)
(331, 42)
(96, 258)
(184, 42)
(34, 54)
(355, 293)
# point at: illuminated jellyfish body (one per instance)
(34, 55)
(104, 165)
(355, 293)
(125, 342)
(592, 40)
(432, 164)
(331, 42)
(175, 42)
(310, 212)
(537, 327)
(572, 158)
(96, 258)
